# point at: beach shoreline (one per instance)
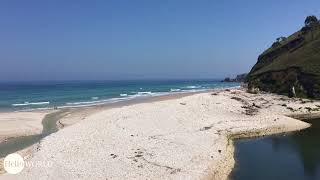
(210, 120)
(30, 120)
(73, 116)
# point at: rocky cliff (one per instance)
(291, 66)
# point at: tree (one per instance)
(310, 20)
(280, 39)
(278, 42)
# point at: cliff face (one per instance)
(290, 62)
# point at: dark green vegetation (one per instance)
(291, 62)
(293, 156)
(18, 143)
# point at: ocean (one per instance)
(17, 96)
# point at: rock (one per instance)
(254, 105)
(292, 92)
(253, 90)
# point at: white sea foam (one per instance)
(85, 102)
(124, 97)
(31, 103)
(192, 87)
(24, 104)
(40, 103)
(111, 100)
(145, 93)
(175, 90)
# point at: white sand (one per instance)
(184, 138)
(13, 124)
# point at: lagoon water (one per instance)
(14, 144)
(294, 156)
(37, 95)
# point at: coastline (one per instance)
(220, 115)
(29, 122)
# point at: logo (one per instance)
(13, 163)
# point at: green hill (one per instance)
(291, 62)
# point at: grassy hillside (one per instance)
(295, 59)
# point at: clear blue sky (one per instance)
(129, 39)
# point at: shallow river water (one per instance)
(294, 156)
(49, 124)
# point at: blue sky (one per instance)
(141, 39)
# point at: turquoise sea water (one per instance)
(38, 95)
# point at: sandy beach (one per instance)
(183, 137)
(13, 124)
